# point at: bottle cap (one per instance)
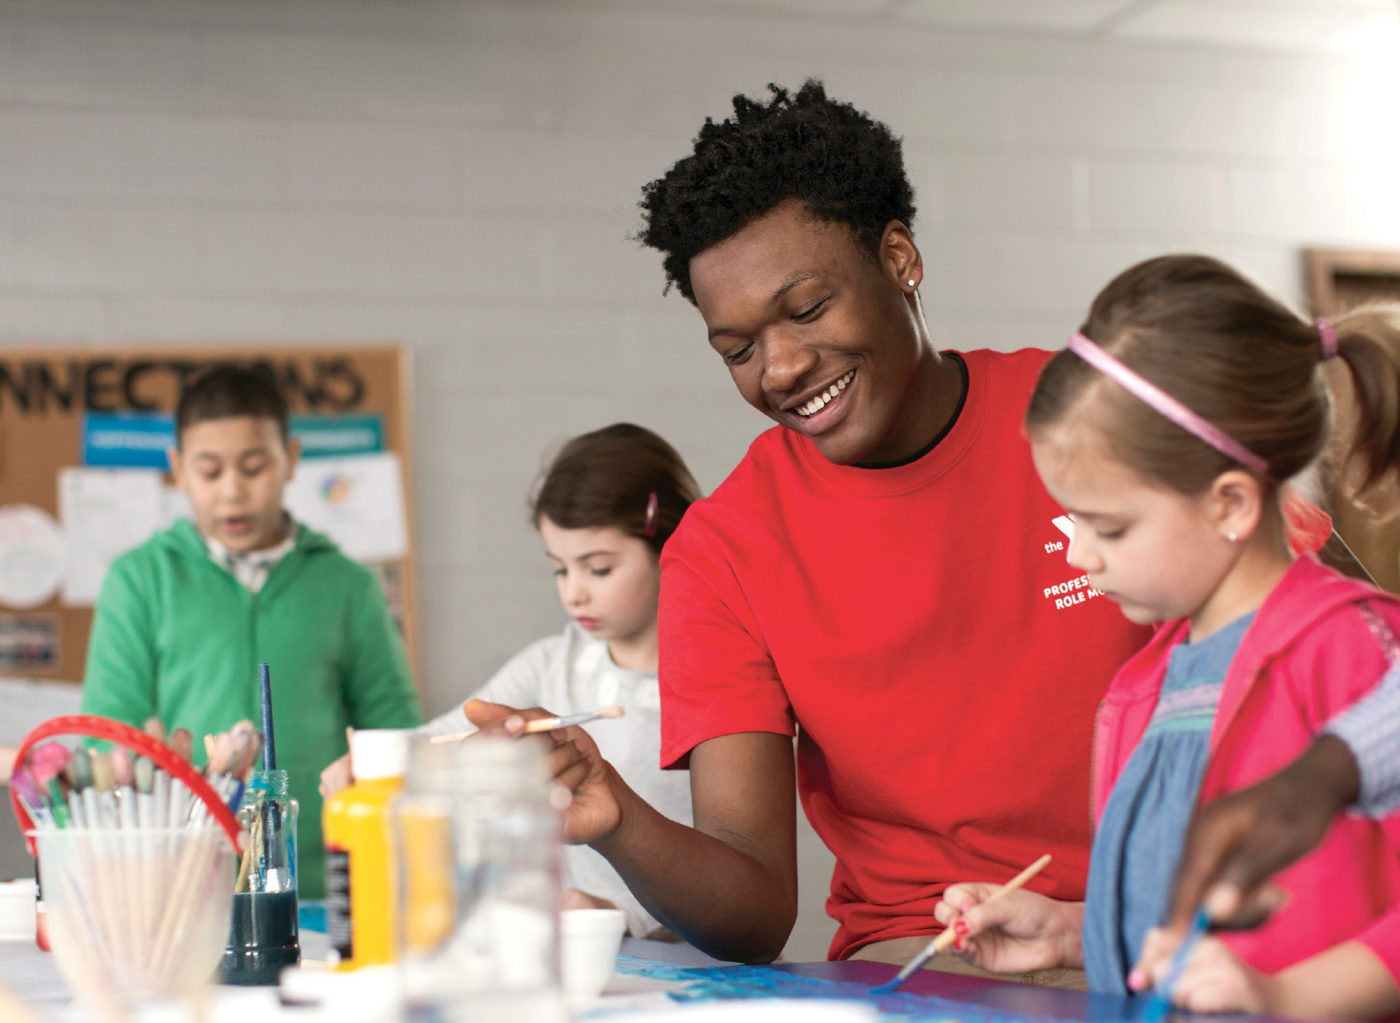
(379, 752)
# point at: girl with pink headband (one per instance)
(1167, 429)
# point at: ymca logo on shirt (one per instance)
(1076, 589)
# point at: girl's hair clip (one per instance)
(649, 526)
(1328, 335)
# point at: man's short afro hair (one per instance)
(845, 166)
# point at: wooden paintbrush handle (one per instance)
(949, 936)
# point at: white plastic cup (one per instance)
(17, 910)
(589, 940)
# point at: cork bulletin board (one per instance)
(82, 438)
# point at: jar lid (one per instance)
(479, 765)
(378, 753)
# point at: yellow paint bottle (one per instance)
(360, 878)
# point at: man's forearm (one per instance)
(706, 888)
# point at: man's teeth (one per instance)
(819, 402)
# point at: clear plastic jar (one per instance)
(263, 936)
(477, 842)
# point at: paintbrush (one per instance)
(148, 806)
(124, 782)
(32, 798)
(104, 782)
(79, 775)
(148, 810)
(182, 807)
(948, 936)
(1159, 1002)
(265, 700)
(231, 780)
(270, 814)
(247, 745)
(73, 795)
(46, 764)
(548, 724)
(220, 750)
(120, 814)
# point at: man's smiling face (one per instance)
(818, 333)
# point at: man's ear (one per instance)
(900, 256)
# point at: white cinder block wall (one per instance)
(462, 177)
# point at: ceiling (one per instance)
(1337, 25)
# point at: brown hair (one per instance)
(1368, 341)
(224, 391)
(607, 478)
(1217, 343)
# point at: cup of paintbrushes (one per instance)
(137, 907)
(119, 942)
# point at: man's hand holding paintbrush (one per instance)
(574, 763)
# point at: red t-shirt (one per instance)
(919, 629)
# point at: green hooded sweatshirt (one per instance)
(177, 636)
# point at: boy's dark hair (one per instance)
(225, 391)
(843, 165)
(608, 478)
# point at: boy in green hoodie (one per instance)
(183, 620)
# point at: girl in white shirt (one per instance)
(605, 506)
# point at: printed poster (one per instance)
(357, 501)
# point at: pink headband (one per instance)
(1165, 403)
(1328, 334)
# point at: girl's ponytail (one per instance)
(1368, 343)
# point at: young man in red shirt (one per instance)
(882, 576)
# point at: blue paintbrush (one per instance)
(271, 813)
(1159, 1003)
(265, 692)
(946, 938)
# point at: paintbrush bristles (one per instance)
(121, 766)
(221, 752)
(144, 774)
(104, 775)
(569, 720)
(537, 725)
(77, 772)
(182, 742)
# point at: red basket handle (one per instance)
(96, 727)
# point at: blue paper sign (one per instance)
(333, 436)
(139, 440)
(134, 440)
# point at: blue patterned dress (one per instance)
(1138, 840)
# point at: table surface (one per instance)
(645, 982)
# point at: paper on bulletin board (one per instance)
(31, 556)
(105, 513)
(174, 504)
(357, 501)
(29, 643)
